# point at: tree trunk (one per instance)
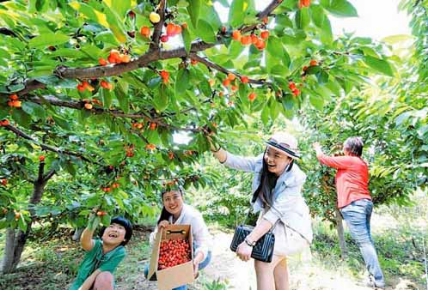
(341, 234)
(16, 239)
(15, 242)
(8, 251)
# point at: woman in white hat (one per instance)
(276, 188)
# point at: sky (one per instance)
(377, 19)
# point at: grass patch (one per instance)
(45, 265)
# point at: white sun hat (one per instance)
(286, 143)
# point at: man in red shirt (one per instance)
(354, 201)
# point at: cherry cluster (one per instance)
(173, 252)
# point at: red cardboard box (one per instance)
(178, 275)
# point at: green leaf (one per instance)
(279, 71)
(161, 100)
(106, 37)
(120, 7)
(194, 9)
(41, 5)
(302, 18)
(109, 19)
(105, 220)
(205, 88)
(187, 39)
(4, 113)
(235, 49)
(54, 80)
(107, 97)
(283, 20)
(182, 81)
(206, 32)
(237, 13)
(48, 39)
(398, 38)
(21, 117)
(312, 70)
(210, 15)
(265, 115)
(340, 8)
(34, 109)
(324, 92)
(275, 47)
(326, 32)
(316, 101)
(40, 71)
(22, 224)
(61, 122)
(288, 102)
(122, 95)
(334, 86)
(379, 65)
(12, 88)
(274, 110)
(318, 15)
(69, 166)
(322, 77)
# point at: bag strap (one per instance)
(273, 226)
(247, 216)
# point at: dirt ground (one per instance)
(305, 272)
(240, 275)
(226, 268)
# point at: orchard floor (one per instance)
(50, 262)
(233, 274)
(227, 272)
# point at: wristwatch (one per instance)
(251, 244)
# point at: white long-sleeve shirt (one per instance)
(201, 236)
(289, 204)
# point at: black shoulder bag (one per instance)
(262, 250)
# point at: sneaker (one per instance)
(372, 284)
(375, 287)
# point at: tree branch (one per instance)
(49, 174)
(22, 134)
(154, 45)
(154, 53)
(224, 70)
(6, 31)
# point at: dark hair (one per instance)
(354, 145)
(267, 183)
(125, 223)
(165, 215)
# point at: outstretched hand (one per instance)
(93, 221)
(209, 133)
(317, 147)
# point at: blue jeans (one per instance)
(201, 266)
(357, 216)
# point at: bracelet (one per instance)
(217, 150)
(250, 244)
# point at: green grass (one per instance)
(400, 248)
